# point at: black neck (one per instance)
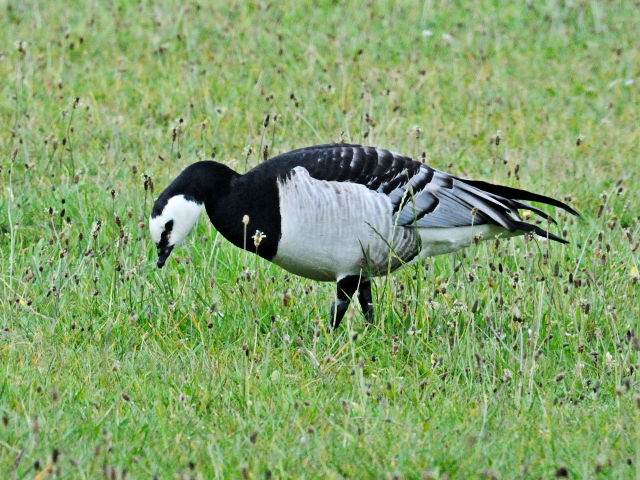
(256, 197)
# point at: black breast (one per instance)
(256, 197)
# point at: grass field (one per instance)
(511, 360)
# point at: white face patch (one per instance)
(183, 212)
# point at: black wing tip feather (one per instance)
(511, 197)
(518, 194)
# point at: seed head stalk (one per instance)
(12, 229)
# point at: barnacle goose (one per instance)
(342, 213)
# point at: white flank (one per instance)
(326, 226)
(437, 241)
(183, 212)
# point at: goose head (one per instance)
(177, 209)
(171, 221)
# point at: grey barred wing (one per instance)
(434, 199)
(421, 196)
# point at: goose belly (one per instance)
(333, 229)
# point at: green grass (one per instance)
(516, 360)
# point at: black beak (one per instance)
(163, 254)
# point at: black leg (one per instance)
(347, 286)
(365, 298)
